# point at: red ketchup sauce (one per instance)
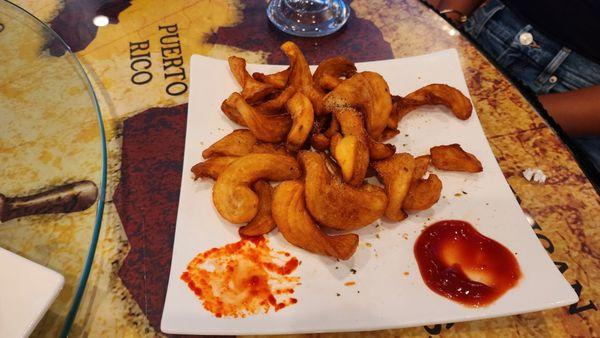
(461, 264)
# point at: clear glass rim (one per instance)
(85, 272)
(275, 20)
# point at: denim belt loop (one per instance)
(553, 65)
(483, 15)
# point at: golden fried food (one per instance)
(232, 113)
(328, 83)
(263, 222)
(267, 128)
(232, 196)
(277, 80)
(423, 193)
(237, 143)
(352, 155)
(269, 148)
(400, 107)
(351, 123)
(212, 167)
(334, 127)
(330, 72)
(335, 204)
(389, 133)
(320, 142)
(315, 95)
(351, 151)
(367, 92)
(397, 173)
(346, 116)
(452, 157)
(241, 142)
(432, 94)
(421, 165)
(301, 77)
(275, 105)
(318, 139)
(252, 90)
(379, 151)
(301, 111)
(298, 227)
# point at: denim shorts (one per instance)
(544, 65)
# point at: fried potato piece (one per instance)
(298, 227)
(321, 136)
(301, 111)
(328, 73)
(432, 94)
(421, 164)
(300, 76)
(252, 90)
(352, 155)
(275, 105)
(277, 80)
(315, 95)
(263, 222)
(423, 193)
(318, 139)
(232, 113)
(212, 167)
(400, 107)
(351, 151)
(328, 82)
(334, 127)
(237, 143)
(232, 196)
(397, 174)
(320, 142)
(389, 133)
(380, 151)
(351, 123)
(335, 204)
(452, 157)
(267, 128)
(241, 142)
(445, 95)
(269, 148)
(367, 92)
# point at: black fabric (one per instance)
(574, 23)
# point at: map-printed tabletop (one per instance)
(139, 67)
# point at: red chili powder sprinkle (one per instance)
(242, 278)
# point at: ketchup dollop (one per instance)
(463, 265)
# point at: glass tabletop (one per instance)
(53, 159)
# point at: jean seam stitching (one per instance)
(553, 65)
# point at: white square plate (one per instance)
(26, 291)
(388, 297)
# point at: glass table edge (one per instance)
(68, 322)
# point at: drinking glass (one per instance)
(308, 18)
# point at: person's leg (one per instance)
(540, 63)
